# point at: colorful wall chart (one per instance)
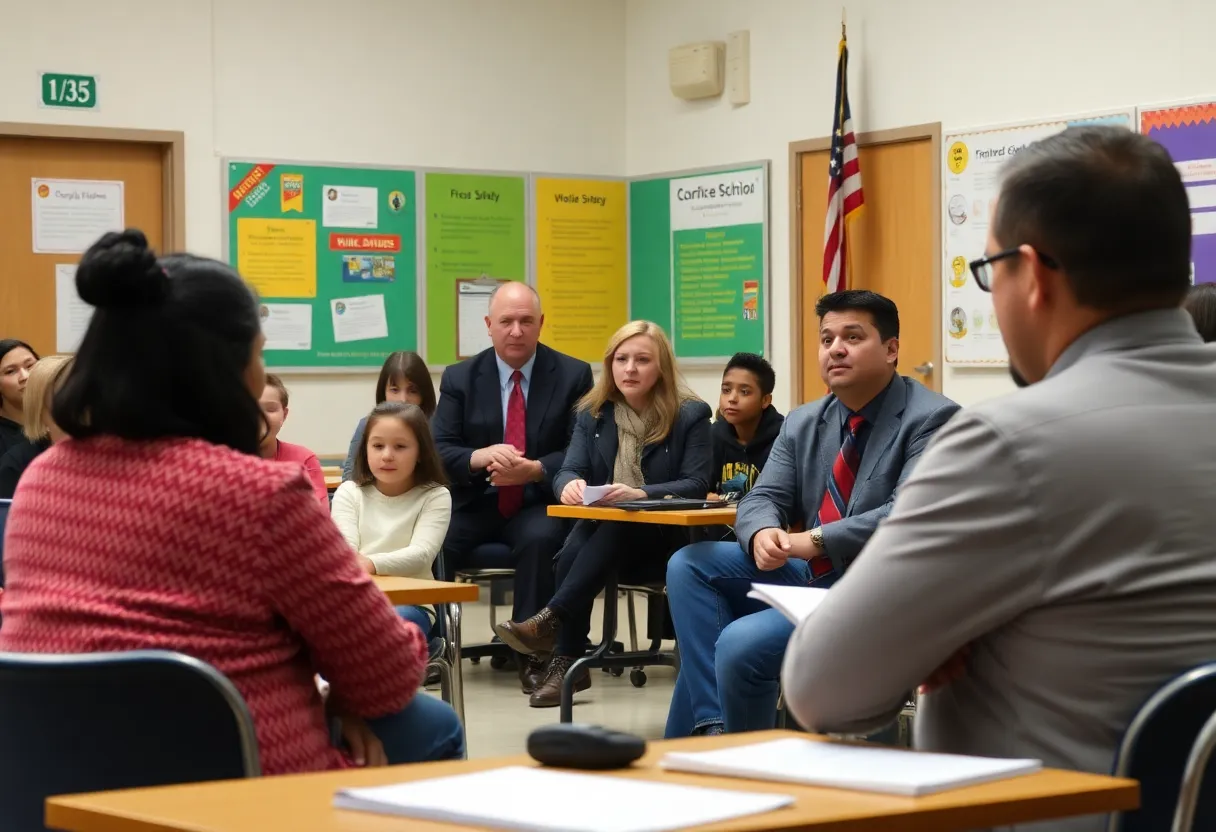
(699, 261)
(332, 253)
(476, 226)
(582, 271)
(971, 179)
(1188, 132)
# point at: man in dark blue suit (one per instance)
(830, 479)
(502, 424)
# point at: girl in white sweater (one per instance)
(395, 511)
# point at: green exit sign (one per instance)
(76, 92)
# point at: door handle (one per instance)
(925, 369)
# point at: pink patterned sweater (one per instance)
(187, 546)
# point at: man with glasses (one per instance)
(1049, 564)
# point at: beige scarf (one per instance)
(631, 431)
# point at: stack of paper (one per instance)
(859, 768)
(592, 494)
(794, 602)
(568, 802)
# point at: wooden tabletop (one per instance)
(304, 803)
(695, 517)
(422, 591)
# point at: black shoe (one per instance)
(711, 729)
(549, 693)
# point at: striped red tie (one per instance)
(511, 497)
(840, 488)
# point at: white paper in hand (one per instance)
(794, 602)
(594, 493)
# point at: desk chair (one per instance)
(607, 655)
(491, 564)
(1160, 746)
(100, 721)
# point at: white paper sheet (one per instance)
(860, 768)
(573, 802)
(345, 207)
(72, 315)
(358, 319)
(594, 493)
(794, 602)
(287, 326)
(70, 214)
(473, 304)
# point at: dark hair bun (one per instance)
(119, 270)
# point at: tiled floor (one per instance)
(497, 713)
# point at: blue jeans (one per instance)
(424, 730)
(731, 646)
(419, 617)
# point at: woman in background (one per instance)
(403, 378)
(274, 409)
(133, 535)
(40, 429)
(17, 358)
(1201, 303)
(642, 433)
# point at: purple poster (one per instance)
(1188, 132)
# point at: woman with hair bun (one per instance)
(159, 526)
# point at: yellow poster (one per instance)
(278, 257)
(582, 273)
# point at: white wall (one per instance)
(912, 61)
(519, 85)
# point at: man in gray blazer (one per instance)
(1052, 562)
(832, 471)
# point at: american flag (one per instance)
(844, 182)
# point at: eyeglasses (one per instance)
(981, 269)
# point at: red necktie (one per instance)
(840, 488)
(511, 497)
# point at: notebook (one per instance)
(570, 802)
(839, 766)
(794, 602)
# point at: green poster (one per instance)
(718, 277)
(332, 254)
(718, 232)
(476, 226)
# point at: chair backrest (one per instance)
(1155, 751)
(93, 722)
(5, 505)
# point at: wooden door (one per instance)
(893, 250)
(27, 290)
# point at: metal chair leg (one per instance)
(633, 622)
(610, 599)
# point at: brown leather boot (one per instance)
(531, 671)
(549, 693)
(536, 635)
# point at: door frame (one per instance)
(933, 133)
(173, 153)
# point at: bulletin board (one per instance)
(1188, 132)
(699, 258)
(332, 251)
(971, 169)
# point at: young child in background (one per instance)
(403, 378)
(274, 408)
(747, 424)
(395, 511)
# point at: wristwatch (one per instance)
(817, 538)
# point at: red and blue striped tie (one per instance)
(840, 488)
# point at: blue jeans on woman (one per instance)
(427, 729)
(419, 617)
(731, 646)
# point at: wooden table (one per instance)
(304, 803)
(695, 517)
(446, 598)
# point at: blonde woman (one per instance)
(45, 377)
(642, 433)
